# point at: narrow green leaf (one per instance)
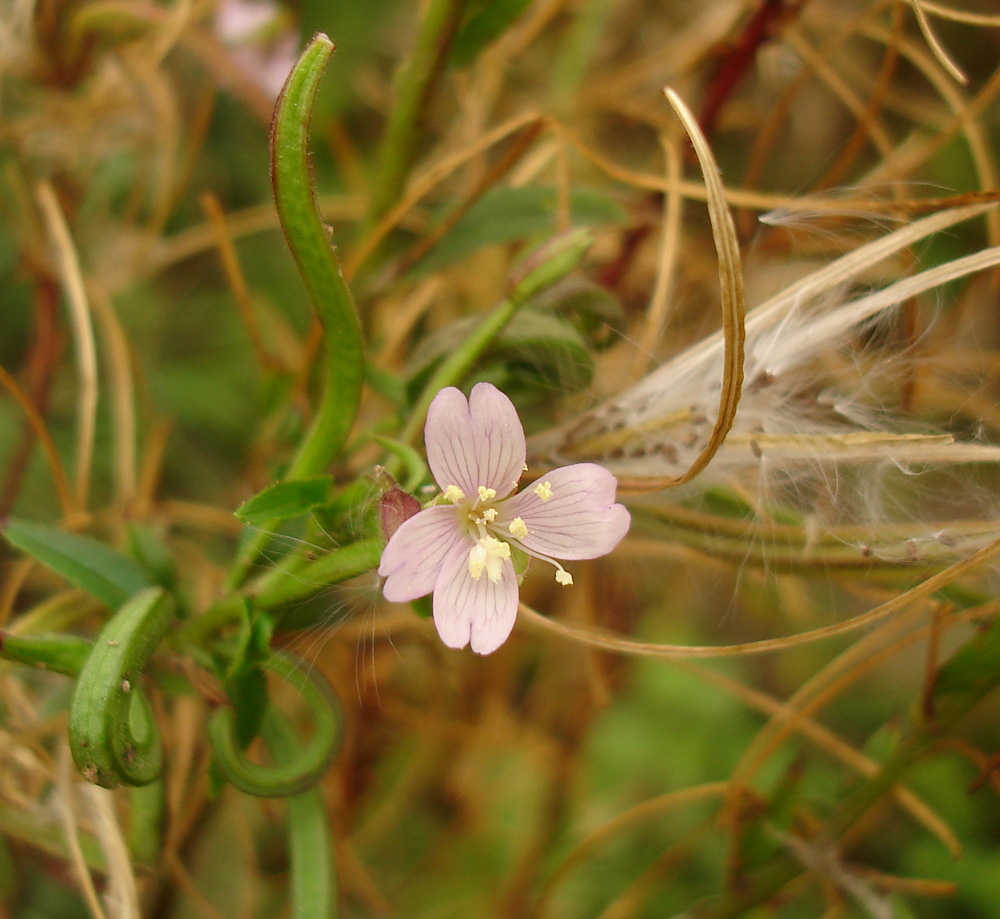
(483, 25)
(308, 238)
(65, 654)
(83, 561)
(506, 215)
(285, 500)
(413, 88)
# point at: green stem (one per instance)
(196, 631)
(278, 587)
(415, 82)
(147, 809)
(548, 264)
(313, 879)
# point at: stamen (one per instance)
(490, 514)
(518, 528)
(487, 494)
(544, 491)
(563, 577)
(454, 494)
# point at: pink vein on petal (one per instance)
(412, 559)
(580, 520)
(470, 609)
(475, 442)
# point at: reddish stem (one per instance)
(733, 65)
(40, 367)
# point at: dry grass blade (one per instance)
(599, 638)
(667, 256)
(731, 289)
(935, 45)
(947, 12)
(83, 334)
(121, 896)
(122, 392)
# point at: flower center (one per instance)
(488, 553)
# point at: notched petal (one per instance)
(479, 442)
(474, 610)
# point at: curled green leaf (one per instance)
(299, 772)
(112, 731)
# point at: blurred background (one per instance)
(158, 355)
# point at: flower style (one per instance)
(463, 547)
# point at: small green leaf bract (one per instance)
(285, 500)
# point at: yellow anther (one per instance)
(487, 494)
(454, 494)
(518, 528)
(563, 577)
(544, 491)
(490, 514)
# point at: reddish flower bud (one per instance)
(395, 507)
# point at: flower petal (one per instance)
(579, 520)
(412, 559)
(474, 609)
(479, 442)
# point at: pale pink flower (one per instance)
(462, 547)
(261, 38)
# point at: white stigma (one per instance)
(488, 555)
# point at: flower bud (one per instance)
(395, 506)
